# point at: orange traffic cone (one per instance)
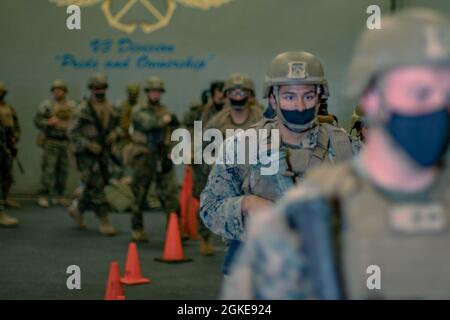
(173, 250)
(133, 273)
(114, 290)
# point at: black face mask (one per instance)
(132, 99)
(238, 104)
(218, 106)
(100, 96)
(293, 119)
(424, 138)
(153, 102)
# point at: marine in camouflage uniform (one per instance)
(238, 113)
(123, 110)
(9, 134)
(204, 112)
(11, 131)
(148, 160)
(53, 119)
(233, 188)
(384, 215)
(94, 130)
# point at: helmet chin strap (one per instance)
(298, 128)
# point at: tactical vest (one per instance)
(6, 116)
(63, 112)
(294, 162)
(97, 126)
(152, 138)
(155, 142)
(406, 236)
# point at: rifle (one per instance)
(9, 146)
(102, 133)
(316, 222)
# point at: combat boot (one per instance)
(106, 227)
(9, 203)
(7, 221)
(43, 202)
(76, 215)
(139, 235)
(206, 247)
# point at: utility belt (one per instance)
(42, 139)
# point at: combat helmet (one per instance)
(295, 68)
(155, 83)
(380, 50)
(98, 80)
(239, 81)
(58, 84)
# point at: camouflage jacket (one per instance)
(83, 129)
(62, 111)
(149, 128)
(220, 201)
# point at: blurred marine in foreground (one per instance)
(375, 227)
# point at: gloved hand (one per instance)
(111, 138)
(126, 180)
(167, 118)
(95, 148)
(53, 121)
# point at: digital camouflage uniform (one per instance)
(54, 141)
(220, 206)
(223, 121)
(94, 169)
(10, 130)
(322, 238)
(147, 159)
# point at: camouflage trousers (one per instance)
(6, 178)
(200, 177)
(54, 168)
(93, 182)
(145, 173)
